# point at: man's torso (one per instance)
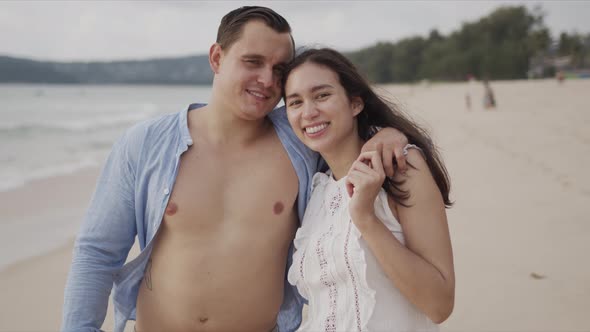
(219, 256)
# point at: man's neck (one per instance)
(221, 126)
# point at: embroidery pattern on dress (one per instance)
(353, 280)
(301, 264)
(335, 202)
(330, 322)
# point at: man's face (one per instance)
(249, 72)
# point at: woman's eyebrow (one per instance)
(312, 90)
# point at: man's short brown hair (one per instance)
(232, 24)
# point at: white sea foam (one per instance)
(11, 180)
(74, 125)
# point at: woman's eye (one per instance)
(323, 95)
(294, 103)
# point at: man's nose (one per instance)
(267, 78)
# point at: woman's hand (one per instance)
(363, 183)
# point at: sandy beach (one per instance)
(519, 225)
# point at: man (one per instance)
(213, 195)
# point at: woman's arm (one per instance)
(422, 269)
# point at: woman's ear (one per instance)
(215, 54)
(357, 105)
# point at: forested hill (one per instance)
(185, 70)
(498, 46)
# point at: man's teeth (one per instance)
(260, 95)
(315, 129)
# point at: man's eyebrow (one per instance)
(313, 89)
(252, 56)
(280, 66)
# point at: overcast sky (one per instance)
(113, 30)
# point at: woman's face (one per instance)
(319, 110)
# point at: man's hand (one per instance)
(393, 142)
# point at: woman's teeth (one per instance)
(315, 129)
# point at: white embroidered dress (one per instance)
(337, 273)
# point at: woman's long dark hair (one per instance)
(377, 112)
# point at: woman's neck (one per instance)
(340, 159)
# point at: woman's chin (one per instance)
(319, 147)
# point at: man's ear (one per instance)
(357, 105)
(215, 55)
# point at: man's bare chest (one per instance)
(216, 190)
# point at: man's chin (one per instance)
(261, 108)
(257, 113)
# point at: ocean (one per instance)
(52, 130)
(49, 130)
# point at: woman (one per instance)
(373, 253)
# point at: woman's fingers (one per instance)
(373, 158)
(361, 167)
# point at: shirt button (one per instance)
(166, 191)
(189, 142)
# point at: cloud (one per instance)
(97, 30)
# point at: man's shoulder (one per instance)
(163, 120)
(155, 125)
(278, 116)
(279, 112)
(150, 132)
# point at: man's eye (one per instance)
(253, 62)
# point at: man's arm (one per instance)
(103, 242)
(393, 142)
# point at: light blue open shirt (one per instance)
(130, 198)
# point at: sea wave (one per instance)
(73, 125)
(14, 180)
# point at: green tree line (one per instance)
(498, 46)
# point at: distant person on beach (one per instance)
(373, 253)
(489, 101)
(469, 95)
(214, 195)
(560, 76)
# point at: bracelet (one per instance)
(376, 128)
(412, 146)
